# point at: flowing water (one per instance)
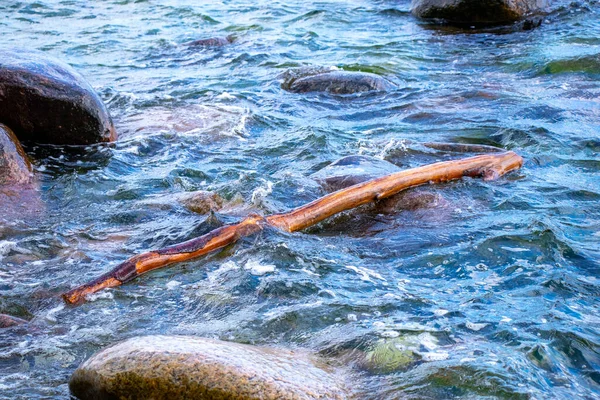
(493, 293)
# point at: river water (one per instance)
(493, 293)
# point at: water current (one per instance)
(494, 293)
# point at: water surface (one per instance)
(496, 290)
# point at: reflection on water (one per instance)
(491, 293)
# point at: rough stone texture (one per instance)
(337, 82)
(182, 367)
(15, 168)
(44, 100)
(477, 11)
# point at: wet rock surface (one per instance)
(46, 101)
(181, 367)
(19, 196)
(350, 170)
(14, 164)
(7, 321)
(334, 81)
(202, 202)
(212, 42)
(487, 12)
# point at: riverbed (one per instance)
(496, 289)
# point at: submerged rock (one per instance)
(46, 101)
(180, 367)
(202, 202)
(15, 168)
(202, 122)
(6, 321)
(350, 170)
(212, 42)
(334, 81)
(466, 12)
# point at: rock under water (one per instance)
(46, 101)
(212, 42)
(351, 170)
(335, 82)
(466, 12)
(183, 367)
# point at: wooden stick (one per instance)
(489, 166)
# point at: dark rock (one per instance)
(15, 168)
(180, 367)
(212, 42)
(350, 170)
(476, 12)
(7, 321)
(44, 100)
(336, 82)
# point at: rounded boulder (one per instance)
(182, 367)
(46, 101)
(468, 12)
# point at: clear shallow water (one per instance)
(497, 289)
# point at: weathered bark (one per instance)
(489, 166)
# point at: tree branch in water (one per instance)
(488, 167)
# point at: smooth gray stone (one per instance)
(338, 82)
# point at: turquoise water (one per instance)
(496, 289)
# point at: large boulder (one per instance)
(46, 101)
(182, 367)
(15, 168)
(334, 81)
(482, 12)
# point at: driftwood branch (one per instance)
(489, 166)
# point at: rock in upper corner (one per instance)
(182, 367)
(15, 168)
(46, 101)
(334, 81)
(487, 12)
